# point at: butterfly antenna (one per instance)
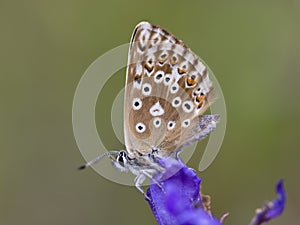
(98, 158)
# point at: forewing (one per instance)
(167, 91)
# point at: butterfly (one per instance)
(167, 92)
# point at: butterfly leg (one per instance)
(138, 184)
(153, 155)
(152, 158)
(177, 155)
(154, 181)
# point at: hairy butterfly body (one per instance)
(167, 91)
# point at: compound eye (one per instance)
(120, 159)
(123, 154)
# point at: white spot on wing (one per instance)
(176, 101)
(150, 60)
(186, 123)
(157, 122)
(159, 76)
(140, 127)
(167, 80)
(184, 65)
(155, 39)
(136, 104)
(144, 36)
(174, 88)
(157, 109)
(139, 68)
(171, 125)
(163, 58)
(137, 85)
(187, 106)
(147, 88)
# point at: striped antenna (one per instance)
(98, 158)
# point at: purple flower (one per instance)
(177, 200)
(272, 209)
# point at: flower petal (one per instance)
(272, 209)
(179, 203)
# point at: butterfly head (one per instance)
(121, 162)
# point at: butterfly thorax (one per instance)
(147, 165)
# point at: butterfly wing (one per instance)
(167, 91)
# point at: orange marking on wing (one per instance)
(200, 98)
(191, 81)
(149, 68)
(181, 71)
(162, 60)
(174, 60)
(137, 76)
(200, 105)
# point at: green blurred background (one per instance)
(253, 47)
